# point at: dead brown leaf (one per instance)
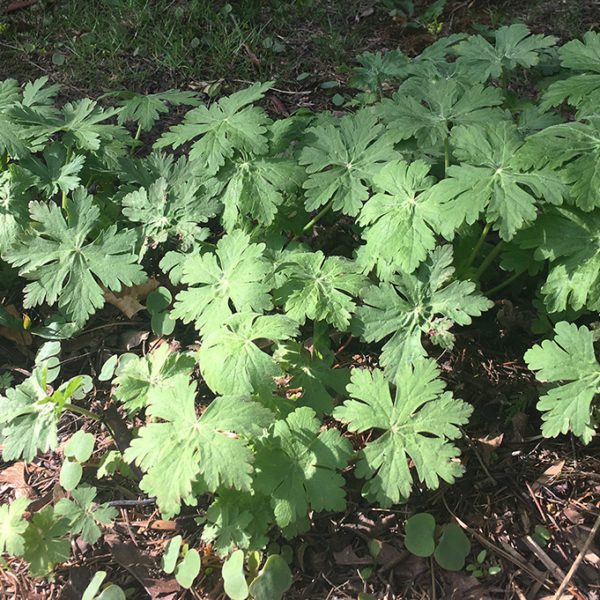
(128, 300)
(14, 477)
(548, 475)
(347, 556)
(141, 566)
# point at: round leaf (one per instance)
(419, 534)
(162, 323)
(94, 586)
(453, 548)
(108, 368)
(112, 592)
(70, 475)
(80, 446)
(233, 576)
(169, 558)
(274, 579)
(188, 569)
(158, 300)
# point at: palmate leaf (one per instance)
(12, 526)
(235, 273)
(63, 265)
(574, 149)
(226, 127)
(341, 159)
(14, 196)
(154, 373)
(255, 186)
(45, 542)
(570, 364)
(231, 362)
(376, 68)
(185, 448)
(167, 210)
(237, 520)
(83, 514)
(491, 178)
(416, 303)
(55, 172)
(296, 468)
(417, 424)
(319, 288)
(145, 109)
(570, 239)
(30, 411)
(514, 45)
(581, 90)
(401, 223)
(428, 108)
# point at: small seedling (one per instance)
(541, 535)
(447, 543)
(185, 568)
(374, 550)
(478, 568)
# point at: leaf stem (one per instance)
(135, 139)
(489, 258)
(82, 411)
(446, 155)
(318, 216)
(504, 284)
(480, 241)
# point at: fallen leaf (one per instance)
(548, 475)
(14, 477)
(141, 566)
(128, 300)
(132, 339)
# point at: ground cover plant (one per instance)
(239, 417)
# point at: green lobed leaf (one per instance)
(45, 544)
(569, 363)
(491, 178)
(63, 265)
(185, 448)
(232, 362)
(319, 288)
(296, 467)
(12, 526)
(341, 159)
(235, 273)
(401, 222)
(151, 374)
(83, 514)
(514, 45)
(416, 303)
(418, 424)
(226, 127)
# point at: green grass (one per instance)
(145, 45)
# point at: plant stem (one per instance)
(446, 155)
(504, 81)
(480, 241)
(135, 139)
(82, 411)
(489, 258)
(504, 284)
(318, 216)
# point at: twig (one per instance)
(143, 502)
(575, 565)
(558, 573)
